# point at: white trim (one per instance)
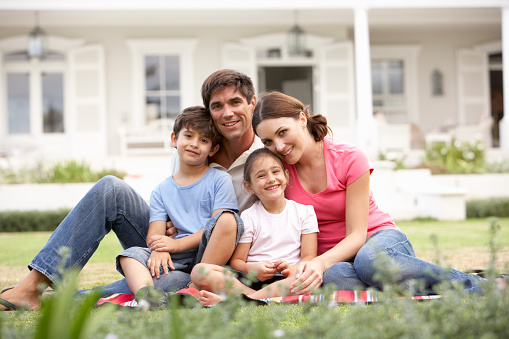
(134, 5)
(408, 53)
(141, 47)
(20, 43)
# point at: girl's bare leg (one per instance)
(279, 288)
(217, 279)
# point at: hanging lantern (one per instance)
(296, 40)
(37, 41)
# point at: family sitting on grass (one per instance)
(318, 171)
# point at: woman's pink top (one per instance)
(344, 164)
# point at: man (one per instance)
(113, 205)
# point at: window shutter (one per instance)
(336, 88)
(240, 58)
(473, 90)
(87, 101)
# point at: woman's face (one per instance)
(285, 137)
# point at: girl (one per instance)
(278, 234)
(334, 178)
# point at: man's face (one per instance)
(231, 112)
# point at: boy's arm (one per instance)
(163, 243)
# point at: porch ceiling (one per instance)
(168, 17)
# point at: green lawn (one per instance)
(455, 315)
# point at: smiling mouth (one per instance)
(287, 152)
(230, 124)
(273, 187)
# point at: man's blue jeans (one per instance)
(110, 205)
(392, 248)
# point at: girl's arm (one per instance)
(264, 270)
(239, 256)
(357, 211)
(308, 248)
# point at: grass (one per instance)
(460, 244)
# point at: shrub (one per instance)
(68, 171)
(494, 207)
(456, 158)
(30, 221)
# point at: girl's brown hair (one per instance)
(259, 153)
(273, 105)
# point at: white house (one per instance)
(432, 67)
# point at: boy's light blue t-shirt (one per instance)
(190, 207)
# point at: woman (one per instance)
(334, 178)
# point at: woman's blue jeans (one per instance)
(110, 205)
(391, 251)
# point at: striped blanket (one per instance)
(338, 297)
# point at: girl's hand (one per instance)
(264, 270)
(156, 260)
(309, 276)
(162, 243)
(282, 267)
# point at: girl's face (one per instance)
(285, 137)
(268, 179)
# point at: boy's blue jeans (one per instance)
(391, 248)
(110, 205)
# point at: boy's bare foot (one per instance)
(501, 282)
(207, 298)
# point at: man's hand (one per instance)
(162, 243)
(171, 230)
(282, 267)
(156, 260)
(264, 270)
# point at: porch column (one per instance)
(504, 123)
(364, 126)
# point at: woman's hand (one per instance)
(282, 267)
(157, 259)
(162, 243)
(309, 276)
(264, 270)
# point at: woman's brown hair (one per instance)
(272, 105)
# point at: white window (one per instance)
(388, 81)
(394, 82)
(35, 94)
(163, 78)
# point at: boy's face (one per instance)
(193, 148)
(231, 112)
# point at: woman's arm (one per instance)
(356, 214)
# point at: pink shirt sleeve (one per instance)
(355, 163)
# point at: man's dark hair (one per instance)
(224, 78)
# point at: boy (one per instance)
(194, 196)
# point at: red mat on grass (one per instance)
(339, 297)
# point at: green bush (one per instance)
(68, 171)
(30, 221)
(494, 207)
(456, 158)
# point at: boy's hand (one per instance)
(282, 267)
(162, 243)
(156, 260)
(171, 230)
(264, 270)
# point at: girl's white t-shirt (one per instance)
(277, 236)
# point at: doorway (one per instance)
(296, 81)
